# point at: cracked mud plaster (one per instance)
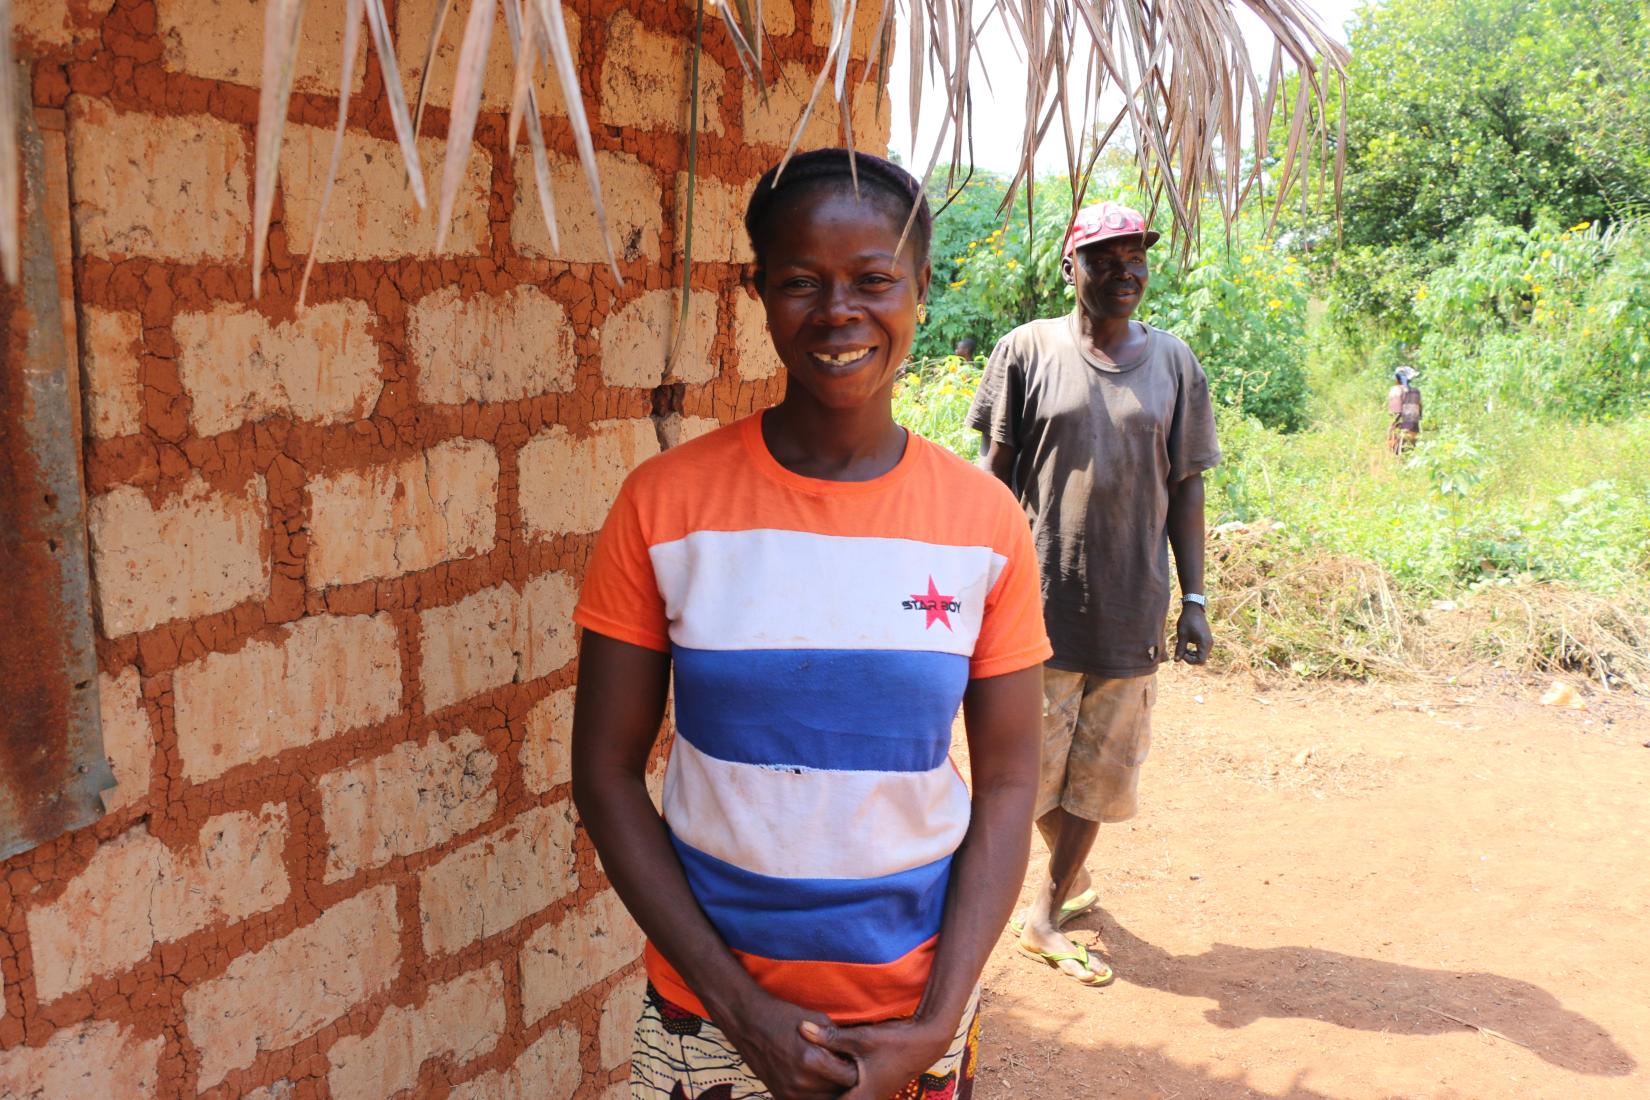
(351, 537)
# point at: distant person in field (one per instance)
(1403, 401)
(965, 348)
(1102, 426)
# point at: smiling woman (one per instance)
(828, 590)
(842, 295)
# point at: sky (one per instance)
(1003, 116)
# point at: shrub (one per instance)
(1242, 310)
(1554, 320)
(932, 399)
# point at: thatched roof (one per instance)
(1176, 74)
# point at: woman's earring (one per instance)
(922, 313)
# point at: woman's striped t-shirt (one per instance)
(822, 634)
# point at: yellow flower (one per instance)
(1012, 264)
(972, 245)
(1579, 226)
(1592, 309)
(1546, 253)
(1536, 287)
(1420, 293)
(1274, 303)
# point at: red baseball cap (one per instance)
(1104, 221)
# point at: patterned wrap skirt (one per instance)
(682, 1056)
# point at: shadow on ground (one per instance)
(1249, 983)
(1130, 1072)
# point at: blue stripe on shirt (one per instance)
(831, 709)
(872, 920)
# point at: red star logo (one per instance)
(934, 604)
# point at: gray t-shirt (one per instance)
(1098, 446)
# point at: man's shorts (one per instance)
(1096, 734)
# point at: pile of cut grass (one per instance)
(1550, 629)
(1301, 611)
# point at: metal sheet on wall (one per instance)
(52, 764)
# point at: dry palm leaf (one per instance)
(561, 52)
(678, 341)
(281, 27)
(461, 120)
(744, 23)
(436, 24)
(524, 42)
(1173, 76)
(354, 12)
(282, 22)
(405, 133)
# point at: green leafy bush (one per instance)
(1551, 320)
(1242, 310)
(932, 399)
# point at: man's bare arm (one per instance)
(997, 459)
(1185, 523)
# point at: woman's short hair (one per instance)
(880, 181)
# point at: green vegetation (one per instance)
(1463, 109)
(1243, 309)
(1527, 545)
(1545, 321)
(1497, 238)
(932, 400)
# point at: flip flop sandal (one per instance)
(1096, 977)
(1077, 906)
(1070, 911)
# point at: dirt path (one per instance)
(1412, 892)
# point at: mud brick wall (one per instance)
(335, 553)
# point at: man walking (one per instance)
(1102, 426)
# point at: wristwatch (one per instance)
(1195, 597)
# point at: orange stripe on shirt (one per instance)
(959, 505)
(727, 481)
(849, 993)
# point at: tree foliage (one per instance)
(1242, 310)
(1553, 320)
(1462, 109)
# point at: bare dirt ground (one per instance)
(1435, 891)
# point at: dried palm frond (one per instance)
(405, 132)
(461, 120)
(436, 24)
(743, 20)
(282, 21)
(561, 52)
(525, 45)
(354, 12)
(1172, 76)
(678, 340)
